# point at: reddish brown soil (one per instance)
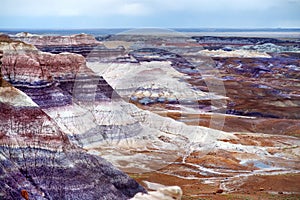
(277, 187)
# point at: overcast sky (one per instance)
(149, 13)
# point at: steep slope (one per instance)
(38, 161)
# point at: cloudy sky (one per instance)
(149, 13)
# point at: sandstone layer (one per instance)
(38, 160)
(78, 43)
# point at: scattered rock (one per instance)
(166, 193)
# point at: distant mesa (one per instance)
(23, 64)
(79, 43)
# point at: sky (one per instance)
(65, 14)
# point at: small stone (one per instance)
(280, 192)
(24, 194)
(219, 191)
(261, 189)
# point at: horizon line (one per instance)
(208, 28)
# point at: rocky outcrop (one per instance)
(36, 68)
(152, 94)
(38, 161)
(23, 64)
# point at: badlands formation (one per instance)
(217, 116)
